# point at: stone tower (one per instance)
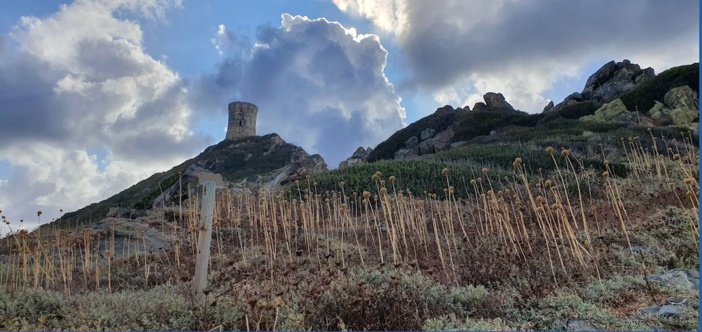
(242, 120)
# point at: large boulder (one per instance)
(680, 106)
(427, 134)
(574, 98)
(479, 106)
(614, 79)
(407, 153)
(298, 168)
(658, 112)
(683, 104)
(412, 142)
(496, 100)
(614, 111)
(438, 143)
(548, 106)
(358, 157)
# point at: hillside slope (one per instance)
(251, 161)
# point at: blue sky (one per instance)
(96, 95)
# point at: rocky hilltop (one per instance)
(619, 93)
(248, 163)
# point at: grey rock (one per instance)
(438, 143)
(548, 106)
(358, 157)
(692, 273)
(427, 134)
(575, 96)
(575, 324)
(493, 132)
(658, 111)
(445, 109)
(479, 106)
(644, 250)
(406, 153)
(683, 105)
(674, 300)
(645, 75)
(614, 111)
(457, 144)
(361, 153)
(412, 142)
(667, 311)
(600, 76)
(673, 279)
(614, 79)
(496, 100)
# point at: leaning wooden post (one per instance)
(204, 239)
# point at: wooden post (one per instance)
(204, 239)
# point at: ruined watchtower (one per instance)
(242, 120)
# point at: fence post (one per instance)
(204, 239)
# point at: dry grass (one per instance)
(510, 232)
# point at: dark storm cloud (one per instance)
(316, 83)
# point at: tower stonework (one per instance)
(242, 120)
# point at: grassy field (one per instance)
(477, 238)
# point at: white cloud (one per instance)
(456, 43)
(522, 86)
(317, 83)
(79, 81)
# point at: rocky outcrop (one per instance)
(406, 153)
(427, 143)
(438, 143)
(614, 111)
(496, 100)
(427, 134)
(411, 148)
(683, 103)
(358, 157)
(413, 142)
(255, 161)
(297, 169)
(680, 106)
(608, 83)
(615, 79)
(548, 106)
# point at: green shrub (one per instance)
(552, 312)
(645, 95)
(390, 300)
(32, 309)
(160, 308)
(451, 323)
(614, 292)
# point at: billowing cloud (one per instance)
(456, 45)
(316, 83)
(85, 111)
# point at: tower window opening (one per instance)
(241, 123)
